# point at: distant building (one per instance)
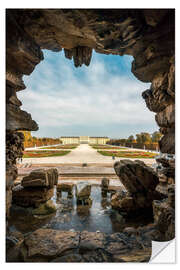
(98, 140)
(69, 140)
(83, 139)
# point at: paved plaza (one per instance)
(82, 154)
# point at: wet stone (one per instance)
(47, 208)
(65, 187)
(46, 244)
(83, 191)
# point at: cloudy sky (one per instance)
(103, 99)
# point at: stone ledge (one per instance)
(47, 245)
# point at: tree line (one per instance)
(32, 141)
(142, 140)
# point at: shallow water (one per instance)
(69, 216)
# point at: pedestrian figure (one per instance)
(113, 156)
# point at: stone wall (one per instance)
(147, 35)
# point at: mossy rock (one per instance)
(45, 208)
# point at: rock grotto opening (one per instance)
(147, 35)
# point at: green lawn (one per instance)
(128, 154)
(39, 154)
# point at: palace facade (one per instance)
(83, 139)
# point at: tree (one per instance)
(145, 137)
(44, 141)
(130, 139)
(138, 138)
(156, 136)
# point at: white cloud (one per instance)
(56, 97)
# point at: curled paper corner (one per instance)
(163, 252)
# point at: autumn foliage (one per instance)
(143, 140)
(31, 141)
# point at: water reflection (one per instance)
(96, 217)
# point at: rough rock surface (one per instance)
(136, 176)
(166, 118)
(13, 243)
(140, 182)
(35, 188)
(167, 142)
(105, 183)
(81, 55)
(164, 216)
(45, 208)
(27, 197)
(166, 173)
(14, 151)
(41, 178)
(117, 197)
(18, 119)
(46, 245)
(168, 165)
(83, 190)
(66, 187)
(14, 147)
(104, 186)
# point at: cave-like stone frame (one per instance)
(146, 34)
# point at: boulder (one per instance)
(105, 183)
(66, 187)
(28, 197)
(41, 178)
(83, 190)
(136, 176)
(104, 186)
(140, 182)
(84, 207)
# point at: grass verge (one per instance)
(106, 147)
(128, 154)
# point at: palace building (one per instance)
(83, 139)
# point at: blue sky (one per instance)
(103, 99)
